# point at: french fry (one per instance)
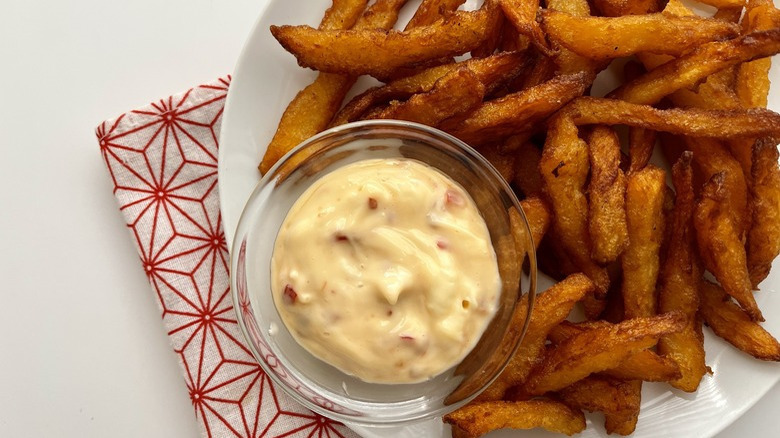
(551, 307)
(452, 95)
(504, 163)
(607, 189)
(313, 107)
(538, 214)
(731, 323)
(567, 61)
(720, 247)
(720, 4)
(614, 37)
(615, 398)
(763, 240)
(564, 168)
(522, 15)
(598, 350)
(492, 72)
(617, 8)
(431, 11)
(527, 176)
(752, 82)
(478, 419)
(705, 60)
(680, 283)
(692, 122)
(493, 38)
(641, 141)
(645, 191)
(497, 119)
(643, 365)
(379, 52)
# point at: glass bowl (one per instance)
(312, 382)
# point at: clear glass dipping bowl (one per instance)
(321, 387)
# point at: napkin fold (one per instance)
(162, 160)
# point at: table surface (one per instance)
(82, 349)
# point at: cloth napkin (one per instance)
(163, 164)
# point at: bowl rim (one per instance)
(357, 126)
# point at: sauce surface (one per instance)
(385, 270)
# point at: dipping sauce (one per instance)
(384, 269)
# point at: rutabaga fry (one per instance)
(720, 248)
(477, 419)
(607, 190)
(613, 397)
(680, 282)
(763, 240)
(564, 168)
(731, 323)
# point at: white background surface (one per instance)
(82, 349)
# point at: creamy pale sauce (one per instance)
(385, 270)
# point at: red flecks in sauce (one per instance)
(407, 338)
(290, 296)
(372, 204)
(441, 244)
(453, 198)
(340, 237)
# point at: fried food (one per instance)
(497, 119)
(492, 71)
(645, 191)
(607, 38)
(551, 307)
(763, 240)
(607, 190)
(720, 248)
(452, 95)
(527, 176)
(617, 8)
(478, 419)
(431, 11)
(614, 397)
(752, 81)
(644, 365)
(313, 107)
(731, 323)
(538, 214)
(757, 122)
(705, 60)
(598, 350)
(568, 62)
(522, 15)
(380, 52)
(564, 168)
(680, 282)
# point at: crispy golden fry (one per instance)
(542, 71)
(598, 350)
(615, 37)
(692, 122)
(379, 52)
(711, 157)
(430, 11)
(551, 307)
(493, 38)
(731, 323)
(342, 14)
(720, 4)
(615, 398)
(617, 8)
(500, 118)
(452, 95)
(607, 190)
(527, 176)
(522, 15)
(564, 168)
(641, 141)
(645, 191)
(504, 163)
(643, 365)
(763, 242)
(567, 61)
(492, 72)
(720, 248)
(313, 107)
(705, 60)
(752, 82)
(538, 214)
(680, 283)
(477, 419)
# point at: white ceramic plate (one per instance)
(267, 78)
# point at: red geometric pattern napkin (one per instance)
(163, 164)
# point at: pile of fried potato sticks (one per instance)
(649, 262)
